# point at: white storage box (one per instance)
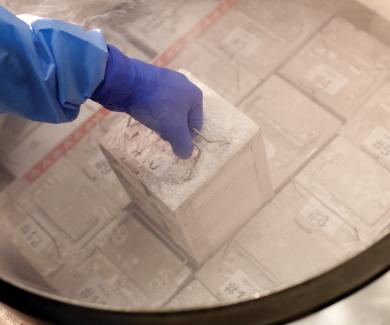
(199, 202)
(341, 67)
(129, 266)
(233, 275)
(295, 128)
(57, 216)
(282, 246)
(370, 128)
(354, 185)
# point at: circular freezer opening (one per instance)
(292, 218)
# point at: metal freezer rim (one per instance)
(286, 305)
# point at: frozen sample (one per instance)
(193, 295)
(284, 247)
(195, 200)
(294, 127)
(370, 128)
(351, 183)
(341, 67)
(233, 275)
(60, 214)
(157, 271)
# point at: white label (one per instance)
(327, 79)
(238, 286)
(241, 41)
(378, 143)
(315, 217)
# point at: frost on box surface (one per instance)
(194, 294)
(127, 266)
(370, 128)
(350, 182)
(294, 127)
(92, 162)
(341, 67)
(58, 216)
(156, 269)
(303, 216)
(267, 29)
(171, 179)
(232, 274)
(280, 245)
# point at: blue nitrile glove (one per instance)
(161, 99)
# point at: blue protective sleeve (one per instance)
(48, 69)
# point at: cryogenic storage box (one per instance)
(242, 39)
(56, 217)
(210, 65)
(370, 128)
(261, 34)
(156, 269)
(91, 161)
(194, 294)
(128, 266)
(354, 185)
(34, 141)
(341, 67)
(199, 202)
(159, 24)
(232, 274)
(96, 279)
(245, 48)
(301, 215)
(294, 127)
(290, 20)
(284, 248)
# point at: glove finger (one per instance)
(179, 137)
(195, 116)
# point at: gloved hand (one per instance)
(161, 99)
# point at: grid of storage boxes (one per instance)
(318, 87)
